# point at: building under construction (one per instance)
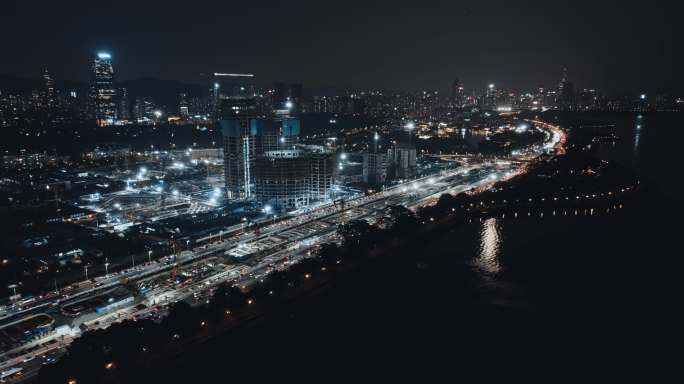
(293, 178)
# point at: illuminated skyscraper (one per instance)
(102, 90)
(490, 97)
(50, 91)
(183, 105)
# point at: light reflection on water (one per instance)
(638, 125)
(490, 247)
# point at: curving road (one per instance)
(278, 245)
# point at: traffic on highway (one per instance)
(242, 257)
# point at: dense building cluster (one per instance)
(433, 104)
(43, 105)
(262, 155)
(109, 102)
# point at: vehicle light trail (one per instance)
(297, 237)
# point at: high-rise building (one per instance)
(183, 105)
(143, 110)
(375, 163)
(239, 126)
(246, 136)
(283, 179)
(50, 91)
(321, 104)
(199, 106)
(566, 93)
(289, 132)
(457, 94)
(231, 85)
(292, 178)
(267, 133)
(102, 90)
(322, 168)
(123, 110)
(402, 160)
(374, 168)
(490, 97)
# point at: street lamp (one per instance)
(149, 256)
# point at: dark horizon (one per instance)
(615, 47)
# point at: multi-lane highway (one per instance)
(274, 246)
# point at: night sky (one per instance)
(610, 45)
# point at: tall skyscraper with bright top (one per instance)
(102, 90)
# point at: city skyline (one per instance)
(347, 191)
(397, 49)
(108, 101)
